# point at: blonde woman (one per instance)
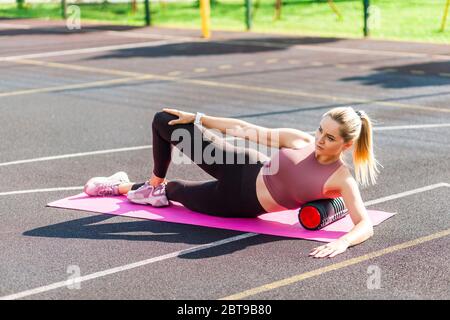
(304, 169)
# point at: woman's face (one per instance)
(328, 141)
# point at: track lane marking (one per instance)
(127, 149)
(84, 85)
(74, 67)
(74, 155)
(336, 266)
(88, 50)
(4, 26)
(107, 272)
(12, 193)
(353, 261)
(111, 271)
(288, 92)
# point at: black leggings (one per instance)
(232, 194)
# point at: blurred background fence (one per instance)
(416, 20)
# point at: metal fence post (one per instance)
(248, 14)
(366, 17)
(64, 9)
(148, 21)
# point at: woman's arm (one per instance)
(362, 230)
(275, 138)
(272, 137)
(224, 125)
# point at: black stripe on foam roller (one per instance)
(338, 211)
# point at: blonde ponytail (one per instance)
(366, 170)
(357, 126)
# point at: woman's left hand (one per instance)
(330, 250)
(183, 117)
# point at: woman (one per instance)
(306, 168)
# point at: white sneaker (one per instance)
(147, 194)
(106, 186)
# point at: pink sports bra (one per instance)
(294, 176)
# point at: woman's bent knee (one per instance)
(162, 118)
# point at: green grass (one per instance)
(414, 20)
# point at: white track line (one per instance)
(227, 42)
(4, 26)
(88, 50)
(389, 53)
(374, 52)
(128, 34)
(107, 272)
(85, 85)
(407, 127)
(236, 86)
(334, 50)
(83, 154)
(10, 193)
(73, 155)
(406, 193)
(368, 203)
(420, 126)
(302, 46)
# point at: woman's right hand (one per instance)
(183, 117)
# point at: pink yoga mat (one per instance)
(281, 223)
